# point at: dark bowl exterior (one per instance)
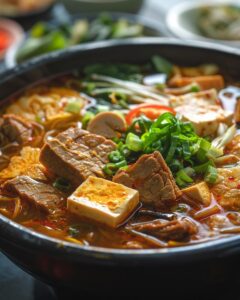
(64, 264)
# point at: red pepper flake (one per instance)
(218, 197)
(231, 178)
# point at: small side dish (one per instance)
(125, 156)
(220, 22)
(214, 21)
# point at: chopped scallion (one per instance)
(133, 142)
(62, 184)
(74, 107)
(211, 175)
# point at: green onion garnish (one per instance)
(133, 142)
(87, 118)
(211, 175)
(74, 107)
(62, 184)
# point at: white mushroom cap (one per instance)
(107, 124)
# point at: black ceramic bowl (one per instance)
(64, 264)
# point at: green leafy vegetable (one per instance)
(162, 65)
(44, 37)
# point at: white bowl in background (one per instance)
(181, 20)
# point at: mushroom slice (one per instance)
(107, 124)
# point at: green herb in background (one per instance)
(34, 46)
(162, 65)
(120, 71)
(44, 37)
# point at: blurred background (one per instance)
(31, 28)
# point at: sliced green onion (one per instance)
(176, 165)
(90, 86)
(87, 118)
(133, 142)
(123, 149)
(74, 107)
(162, 65)
(180, 182)
(182, 174)
(102, 108)
(211, 175)
(172, 150)
(115, 156)
(62, 184)
(214, 152)
(73, 231)
(201, 169)
(38, 119)
(195, 88)
(111, 168)
(205, 145)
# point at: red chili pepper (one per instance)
(152, 111)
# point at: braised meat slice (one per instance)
(42, 195)
(176, 230)
(153, 179)
(15, 129)
(76, 154)
(15, 133)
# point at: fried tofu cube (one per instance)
(199, 192)
(205, 82)
(205, 118)
(103, 201)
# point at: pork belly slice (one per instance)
(153, 179)
(16, 129)
(76, 154)
(43, 196)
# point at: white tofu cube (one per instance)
(103, 201)
(205, 118)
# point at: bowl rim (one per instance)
(173, 24)
(25, 236)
